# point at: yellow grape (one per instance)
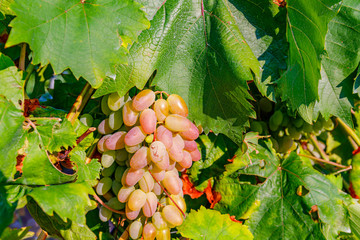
(172, 164)
(137, 200)
(177, 123)
(149, 231)
(150, 205)
(161, 108)
(115, 102)
(171, 183)
(180, 201)
(143, 100)
(158, 221)
(148, 121)
(124, 193)
(172, 215)
(179, 167)
(163, 234)
(135, 229)
(177, 105)
(146, 183)
(130, 115)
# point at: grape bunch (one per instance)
(285, 130)
(145, 143)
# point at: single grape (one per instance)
(255, 126)
(186, 162)
(124, 193)
(177, 123)
(143, 100)
(115, 102)
(190, 145)
(171, 183)
(158, 221)
(130, 115)
(135, 229)
(119, 172)
(285, 144)
(158, 173)
(275, 144)
(298, 122)
(133, 176)
(148, 121)
(273, 127)
(265, 105)
(130, 214)
(191, 134)
(177, 105)
(157, 189)
(116, 120)
(161, 108)
(163, 234)
(104, 127)
(101, 144)
(165, 136)
(307, 128)
(132, 149)
(179, 200)
(157, 151)
(136, 200)
(108, 158)
(116, 186)
(140, 158)
(135, 136)
(121, 155)
(104, 185)
(86, 119)
(164, 163)
(146, 183)
(176, 152)
(277, 118)
(286, 120)
(317, 127)
(172, 215)
(115, 204)
(150, 205)
(195, 155)
(149, 231)
(179, 167)
(116, 141)
(104, 106)
(329, 125)
(149, 138)
(107, 172)
(104, 214)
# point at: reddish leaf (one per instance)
(19, 162)
(280, 3)
(356, 151)
(189, 188)
(234, 219)
(352, 192)
(212, 196)
(30, 105)
(232, 159)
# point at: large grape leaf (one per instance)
(210, 224)
(199, 53)
(341, 59)
(278, 208)
(263, 25)
(307, 25)
(12, 138)
(12, 86)
(62, 32)
(5, 61)
(5, 7)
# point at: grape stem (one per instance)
(162, 92)
(22, 57)
(167, 194)
(343, 170)
(324, 161)
(80, 103)
(43, 235)
(97, 198)
(314, 140)
(349, 131)
(85, 134)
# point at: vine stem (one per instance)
(323, 161)
(97, 198)
(80, 103)
(349, 131)
(167, 194)
(314, 140)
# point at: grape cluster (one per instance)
(146, 143)
(285, 129)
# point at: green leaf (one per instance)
(307, 25)
(210, 224)
(354, 210)
(341, 59)
(86, 172)
(355, 174)
(12, 138)
(5, 7)
(283, 212)
(5, 61)
(69, 201)
(265, 34)
(200, 55)
(54, 225)
(90, 30)
(17, 234)
(12, 86)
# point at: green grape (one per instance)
(317, 127)
(115, 120)
(107, 172)
(172, 215)
(116, 186)
(307, 128)
(135, 229)
(277, 118)
(273, 127)
(275, 143)
(132, 149)
(329, 125)
(177, 105)
(265, 105)
(104, 214)
(119, 172)
(294, 133)
(104, 106)
(149, 138)
(86, 119)
(285, 121)
(256, 126)
(298, 122)
(108, 158)
(121, 156)
(104, 127)
(285, 143)
(163, 234)
(115, 102)
(104, 185)
(265, 129)
(115, 204)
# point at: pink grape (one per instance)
(177, 139)
(176, 153)
(177, 123)
(191, 134)
(158, 173)
(133, 176)
(140, 158)
(148, 121)
(157, 151)
(195, 155)
(164, 135)
(146, 183)
(101, 144)
(104, 127)
(172, 164)
(124, 193)
(171, 183)
(186, 162)
(161, 108)
(190, 145)
(116, 141)
(179, 167)
(135, 136)
(177, 105)
(136, 200)
(157, 189)
(130, 214)
(164, 163)
(130, 115)
(172, 215)
(149, 231)
(150, 205)
(143, 100)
